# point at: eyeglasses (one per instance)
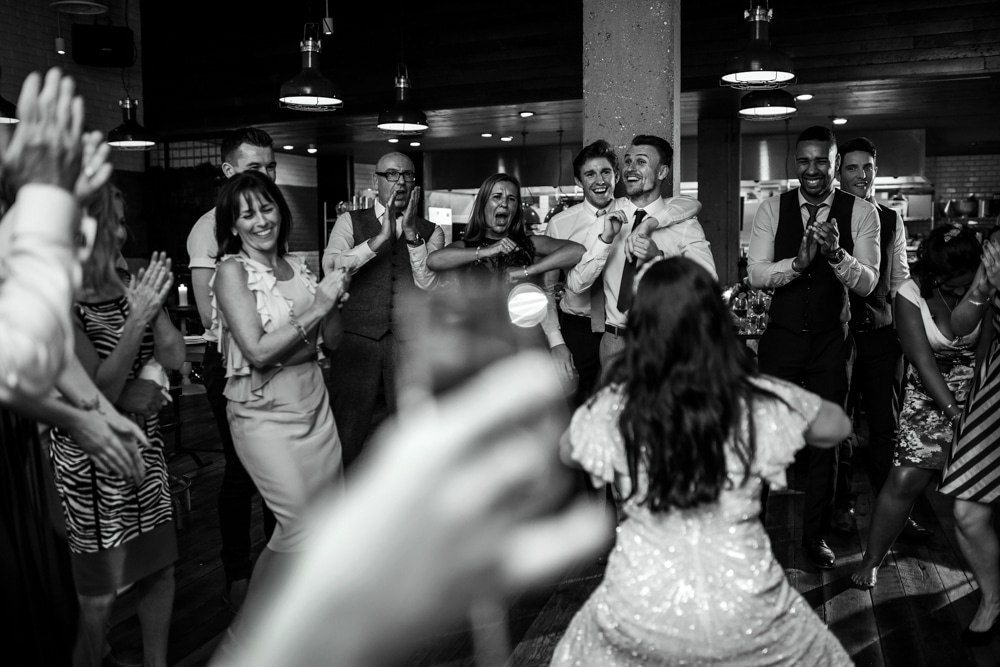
(392, 175)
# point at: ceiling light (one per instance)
(506, 138)
(79, 7)
(130, 136)
(766, 105)
(393, 140)
(60, 46)
(403, 117)
(804, 97)
(309, 90)
(414, 143)
(526, 114)
(486, 135)
(837, 120)
(758, 66)
(311, 150)
(288, 147)
(8, 112)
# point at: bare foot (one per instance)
(865, 577)
(985, 618)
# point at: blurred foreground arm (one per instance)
(464, 489)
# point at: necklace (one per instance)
(957, 340)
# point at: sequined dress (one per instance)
(700, 586)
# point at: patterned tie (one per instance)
(628, 273)
(597, 315)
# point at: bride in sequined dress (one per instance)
(688, 431)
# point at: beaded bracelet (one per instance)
(525, 271)
(477, 253)
(300, 329)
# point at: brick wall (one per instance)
(958, 176)
(30, 28)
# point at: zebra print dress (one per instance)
(973, 468)
(104, 512)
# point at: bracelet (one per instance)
(91, 406)
(954, 418)
(525, 271)
(477, 253)
(977, 303)
(948, 407)
(300, 329)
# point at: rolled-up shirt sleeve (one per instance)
(340, 250)
(38, 274)
(762, 270)
(589, 268)
(859, 269)
(423, 277)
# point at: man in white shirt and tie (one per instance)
(812, 245)
(386, 255)
(641, 226)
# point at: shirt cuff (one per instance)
(60, 209)
(555, 338)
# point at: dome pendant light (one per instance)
(130, 136)
(309, 90)
(758, 66)
(403, 117)
(767, 105)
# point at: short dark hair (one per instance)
(862, 144)
(244, 135)
(227, 209)
(817, 133)
(662, 147)
(598, 149)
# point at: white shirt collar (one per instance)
(828, 201)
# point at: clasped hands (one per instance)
(819, 237)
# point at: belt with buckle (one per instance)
(612, 329)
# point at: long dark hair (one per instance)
(227, 208)
(948, 251)
(476, 231)
(687, 383)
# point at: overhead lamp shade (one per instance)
(767, 105)
(404, 117)
(758, 66)
(8, 113)
(309, 90)
(130, 136)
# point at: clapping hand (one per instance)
(410, 213)
(808, 248)
(827, 236)
(332, 290)
(46, 144)
(96, 168)
(148, 291)
(988, 276)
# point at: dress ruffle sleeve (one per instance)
(595, 441)
(781, 425)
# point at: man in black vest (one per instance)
(812, 245)
(385, 250)
(877, 375)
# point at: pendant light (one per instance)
(309, 90)
(130, 136)
(758, 66)
(767, 105)
(8, 112)
(404, 117)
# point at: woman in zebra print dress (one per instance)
(120, 532)
(972, 472)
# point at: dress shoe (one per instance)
(843, 521)
(914, 532)
(818, 553)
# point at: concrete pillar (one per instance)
(719, 191)
(632, 74)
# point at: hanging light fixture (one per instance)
(758, 66)
(130, 136)
(404, 117)
(8, 112)
(309, 90)
(767, 105)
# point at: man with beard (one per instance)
(385, 250)
(877, 372)
(811, 245)
(641, 226)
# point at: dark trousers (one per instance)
(876, 389)
(359, 368)
(818, 363)
(237, 491)
(585, 347)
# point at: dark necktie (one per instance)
(813, 211)
(628, 273)
(597, 315)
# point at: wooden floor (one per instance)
(914, 617)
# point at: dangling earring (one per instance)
(234, 232)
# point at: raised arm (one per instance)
(556, 254)
(969, 311)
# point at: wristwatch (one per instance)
(838, 256)
(415, 243)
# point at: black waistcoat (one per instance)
(812, 302)
(875, 310)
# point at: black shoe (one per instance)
(844, 522)
(914, 532)
(818, 553)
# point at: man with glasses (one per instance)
(385, 250)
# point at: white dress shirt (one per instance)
(899, 264)
(858, 270)
(342, 253)
(682, 235)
